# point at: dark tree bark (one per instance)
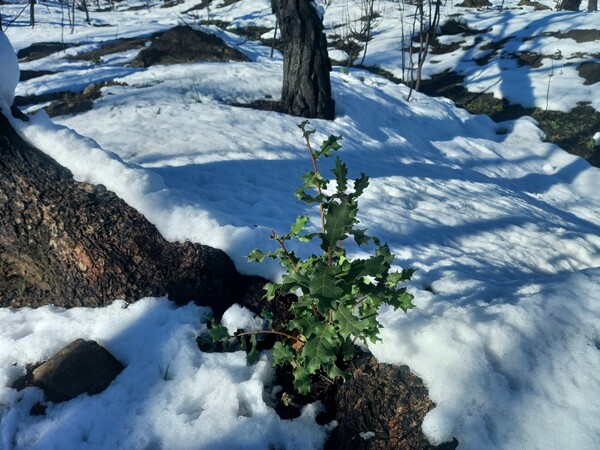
(74, 244)
(32, 13)
(306, 85)
(569, 5)
(592, 5)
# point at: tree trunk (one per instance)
(306, 85)
(569, 5)
(74, 244)
(592, 5)
(32, 13)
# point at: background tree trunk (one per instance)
(32, 13)
(75, 244)
(569, 5)
(306, 84)
(592, 5)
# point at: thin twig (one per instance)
(316, 171)
(279, 333)
(276, 237)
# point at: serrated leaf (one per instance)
(297, 227)
(271, 289)
(306, 237)
(338, 220)
(384, 251)
(407, 273)
(361, 238)
(293, 281)
(396, 277)
(320, 349)
(313, 179)
(323, 284)
(256, 256)
(308, 326)
(282, 354)
(301, 379)
(360, 184)
(268, 317)
(401, 299)
(217, 331)
(329, 145)
(341, 173)
(304, 197)
(306, 132)
(373, 266)
(348, 324)
(334, 372)
(252, 354)
(299, 224)
(348, 350)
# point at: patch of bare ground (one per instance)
(116, 46)
(262, 105)
(40, 50)
(580, 36)
(75, 103)
(589, 71)
(572, 131)
(30, 74)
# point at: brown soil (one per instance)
(116, 46)
(572, 131)
(589, 71)
(40, 50)
(580, 36)
(30, 74)
(182, 44)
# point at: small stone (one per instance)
(80, 367)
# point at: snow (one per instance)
(9, 73)
(502, 226)
(169, 396)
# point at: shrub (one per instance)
(338, 298)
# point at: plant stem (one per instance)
(289, 257)
(316, 171)
(279, 333)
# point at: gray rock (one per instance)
(80, 367)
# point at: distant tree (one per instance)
(569, 5)
(32, 13)
(592, 5)
(306, 88)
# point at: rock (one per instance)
(80, 367)
(381, 408)
(182, 44)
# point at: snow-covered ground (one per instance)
(504, 229)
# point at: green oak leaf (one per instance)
(348, 324)
(338, 220)
(341, 173)
(282, 353)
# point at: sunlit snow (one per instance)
(503, 227)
